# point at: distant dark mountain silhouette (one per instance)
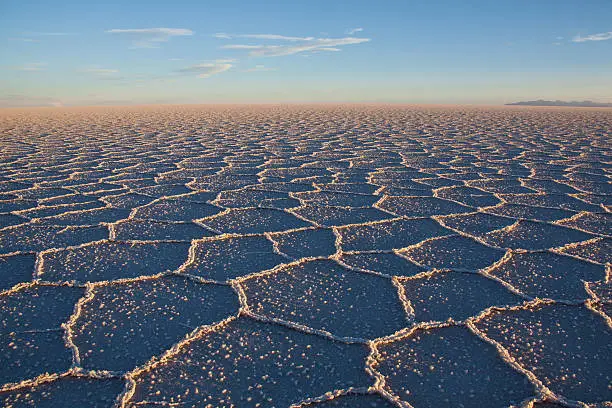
(584, 104)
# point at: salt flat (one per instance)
(305, 256)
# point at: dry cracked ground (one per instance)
(340, 256)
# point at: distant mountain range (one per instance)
(583, 104)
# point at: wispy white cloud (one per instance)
(222, 36)
(150, 37)
(354, 30)
(207, 69)
(33, 66)
(297, 45)
(275, 37)
(259, 68)
(101, 71)
(593, 37)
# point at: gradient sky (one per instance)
(70, 52)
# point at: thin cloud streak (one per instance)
(304, 44)
(151, 37)
(207, 69)
(354, 31)
(593, 37)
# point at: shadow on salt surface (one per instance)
(597, 250)
(147, 230)
(532, 235)
(442, 295)
(384, 263)
(66, 392)
(306, 243)
(548, 275)
(450, 366)
(146, 318)
(392, 234)
(475, 223)
(421, 206)
(338, 216)
(31, 333)
(38, 237)
(16, 269)
(174, 209)
(453, 252)
(569, 348)
(351, 401)
(253, 221)
(323, 295)
(226, 258)
(278, 367)
(104, 260)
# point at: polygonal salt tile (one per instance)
(455, 295)
(385, 263)
(337, 216)
(31, 337)
(123, 325)
(87, 217)
(476, 223)
(16, 269)
(147, 230)
(247, 197)
(175, 210)
(37, 237)
(226, 258)
(16, 205)
(527, 212)
(253, 221)
(568, 348)
(534, 235)
(325, 296)
(501, 186)
(164, 190)
(341, 199)
(450, 366)
(7, 220)
(422, 206)
(101, 261)
(360, 188)
(284, 187)
(277, 367)
(392, 234)
(352, 401)
(127, 200)
(548, 275)
(66, 391)
(551, 200)
(306, 243)
(596, 223)
(597, 250)
(43, 211)
(453, 252)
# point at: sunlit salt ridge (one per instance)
(305, 257)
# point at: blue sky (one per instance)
(120, 52)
